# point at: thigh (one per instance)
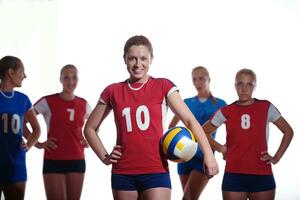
(183, 180)
(55, 186)
(234, 195)
(14, 191)
(265, 195)
(74, 185)
(125, 195)
(151, 181)
(159, 193)
(195, 185)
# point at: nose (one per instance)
(137, 62)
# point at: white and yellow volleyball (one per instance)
(179, 144)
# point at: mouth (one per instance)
(137, 71)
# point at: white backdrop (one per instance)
(223, 36)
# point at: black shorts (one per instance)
(234, 182)
(63, 166)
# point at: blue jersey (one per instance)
(13, 106)
(203, 111)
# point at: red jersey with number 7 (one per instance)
(139, 113)
(64, 120)
(247, 130)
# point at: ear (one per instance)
(10, 72)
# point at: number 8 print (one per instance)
(245, 121)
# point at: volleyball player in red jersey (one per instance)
(140, 104)
(248, 172)
(65, 114)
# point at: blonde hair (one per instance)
(67, 67)
(247, 72)
(203, 69)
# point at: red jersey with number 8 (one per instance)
(139, 113)
(247, 130)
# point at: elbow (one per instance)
(291, 133)
(87, 131)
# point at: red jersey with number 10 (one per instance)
(139, 112)
(247, 135)
(64, 120)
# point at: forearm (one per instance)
(216, 146)
(285, 142)
(95, 143)
(33, 138)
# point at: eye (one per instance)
(144, 58)
(131, 58)
(250, 84)
(74, 77)
(238, 84)
(67, 78)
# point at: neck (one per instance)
(142, 80)
(245, 103)
(6, 87)
(66, 95)
(204, 94)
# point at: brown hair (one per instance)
(8, 62)
(203, 69)
(247, 72)
(138, 40)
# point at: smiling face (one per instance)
(69, 79)
(138, 60)
(244, 85)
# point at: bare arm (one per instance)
(32, 138)
(174, 122)
(288, 134)
(182, 111)
(91, 127)
(209, 128)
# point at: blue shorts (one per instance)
(140, 182)
(12, 173)
(63, 166)
(234, 182)
(196, 163)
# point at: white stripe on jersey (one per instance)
(43, 108)
(164, 110)
(218, 119)
(88, 110)
(273, 116)
(173, 89)
(164, 106)
(102, 101)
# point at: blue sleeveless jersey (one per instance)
(12, 155)
(203, 111)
